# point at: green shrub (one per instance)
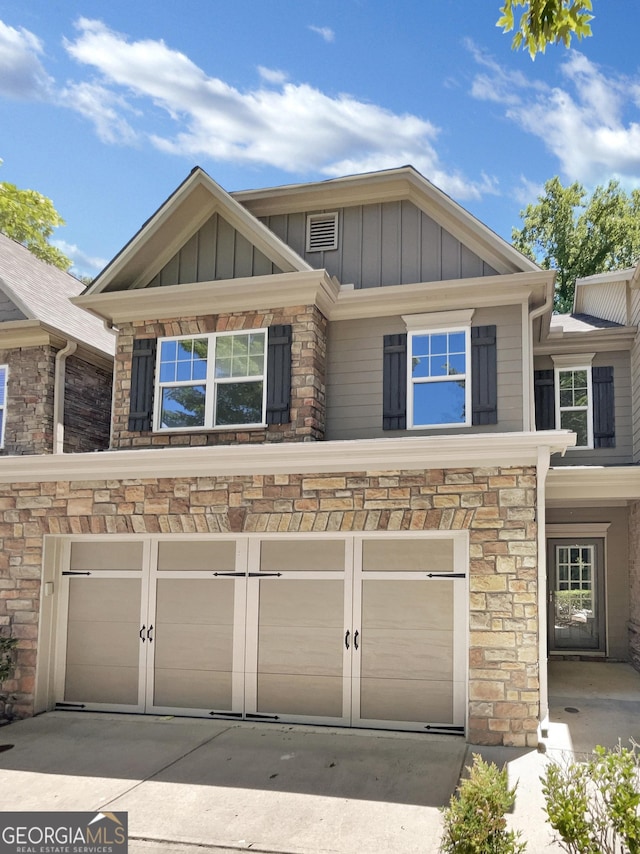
(593, 805)
(474, 821)
(7, 662)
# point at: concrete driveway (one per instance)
(225, 786)
(231, 786)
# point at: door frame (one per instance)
(580, 535)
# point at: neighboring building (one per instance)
(56, 361)
(325, 497)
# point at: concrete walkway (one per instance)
(226, 786)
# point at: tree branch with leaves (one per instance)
(545, 22)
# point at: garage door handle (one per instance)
(143, 639)
(346, 639)
(355, 639)
(149, 637)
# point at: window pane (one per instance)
(168, 351)
(3, 386)
(420, 345)
(223, 367)
(239, 403)
(239, 366)
(438, 345)
(223, 346)
(576, 421)
(420, 366)
(256, 344)
(183, 406)
(178, 360)
(438, 403)
(457, 343)
(439, 366)
(256, 366)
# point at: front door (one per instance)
(576, 595)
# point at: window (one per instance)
(215, 380)
(4, 370)
(322, 232)
(574, 403)
(439, 383)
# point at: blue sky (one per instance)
(106, 107)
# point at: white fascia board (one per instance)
(17, 300)
(479, 292)
(253, 293)
(586, 484)
(411, 453)
(603, 340)
(606, 278)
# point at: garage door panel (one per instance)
(401, 605)
(407, 654)
(301, 603)
(313, 696)
(298, 651)
(97, 600)
(101, 684)
(407, 700)
(183, 688)
(407, 555)
(102, 644)
(196, 647)
(194, 600)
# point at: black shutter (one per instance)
(143, 367)
(545, 400)
(394, 382)
(484, 375)
(604, 427)
(279, 374)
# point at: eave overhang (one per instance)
(601, 340)
(16, 334)
(568, 485)
(411, 453)
(315, 287)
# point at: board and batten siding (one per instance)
(623, 452)
(390, 243)
(354, 375)
(216, 251)
(9, 311)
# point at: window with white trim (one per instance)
(214, 380)
(574, 404)
(4, 371)
(439, 387)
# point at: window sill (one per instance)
(231, 429)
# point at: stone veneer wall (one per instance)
(87, 406)
(29, 405)
(497, 506)
(634, 584)
(308, 353)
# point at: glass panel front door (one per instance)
(576, 606)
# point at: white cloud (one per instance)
(325, 32)
(583, 122)
(83, 264)
(294, 127)
(22, 75)
(272, 75)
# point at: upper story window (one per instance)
(439, 391)
(4, 371)
(574, 403)
(578, 396)
(215, 380)
(322, 232)
(440, 373)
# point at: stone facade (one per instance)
(307, 377)
(29, 408)
(496, 506)
(87, 406)
(634, 584)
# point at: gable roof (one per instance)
(391, 185)
(174, 223)
(42, 293)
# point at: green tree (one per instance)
(29, 217)
(545, 22)
(579, 235)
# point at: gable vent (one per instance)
(322, 232)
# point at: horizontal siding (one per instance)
(8, 311)
(607, 301)
(384, 244)
(622, 454)
(354, 376)
(635, 375)
(217, 251)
